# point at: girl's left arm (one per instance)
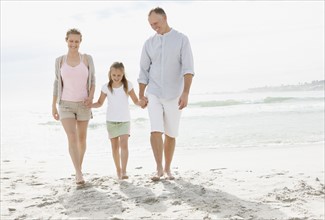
(134, 97)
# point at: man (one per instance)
(166, 71)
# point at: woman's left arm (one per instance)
(90, 64)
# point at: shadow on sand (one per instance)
(107, 197)
(92, 199)
(219, 203)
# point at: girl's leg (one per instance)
(82, 139)
(116, 155)
(69, 126)
(124, 154)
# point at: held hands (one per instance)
(88, 102)
(182, 103)
(143, 102)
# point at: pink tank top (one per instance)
(74, 81)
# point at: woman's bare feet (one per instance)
(169, 175)
(157, 176)
(79, 179)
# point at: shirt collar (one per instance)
(166, 34)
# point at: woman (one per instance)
(73, 91)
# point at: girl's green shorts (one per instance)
(116, 129)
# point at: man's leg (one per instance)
(171, 124)
(157, 149)
(169, 148)
(156, 114)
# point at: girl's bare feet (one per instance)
(119, 175)
(124, 176)
(79, 179)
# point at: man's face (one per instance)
(158, 23)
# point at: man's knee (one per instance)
(156, 133)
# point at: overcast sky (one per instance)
(236, 44)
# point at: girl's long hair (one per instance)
(118, 65)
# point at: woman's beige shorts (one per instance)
(76, 110)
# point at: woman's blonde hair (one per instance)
(73, 31)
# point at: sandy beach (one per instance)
(250, 183)
(251, 140)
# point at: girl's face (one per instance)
(73, 42)
(116, 75)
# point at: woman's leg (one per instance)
(82, 127)
(124, 154)
(70, 127)
(116, 155)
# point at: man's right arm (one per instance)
(142, 98)
(143, 79)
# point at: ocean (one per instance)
(211, 120)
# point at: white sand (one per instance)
(252, 183)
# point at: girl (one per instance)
(117, 92)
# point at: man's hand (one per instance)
(183, 100)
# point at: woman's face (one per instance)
(74, 41)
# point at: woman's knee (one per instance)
(72, 137)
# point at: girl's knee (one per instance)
(124, 147)
(124, 139)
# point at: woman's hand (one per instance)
(55, 113)
(88, 102)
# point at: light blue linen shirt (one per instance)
(165, 59)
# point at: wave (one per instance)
(267, 100)
(55, 123)
(217, 103)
